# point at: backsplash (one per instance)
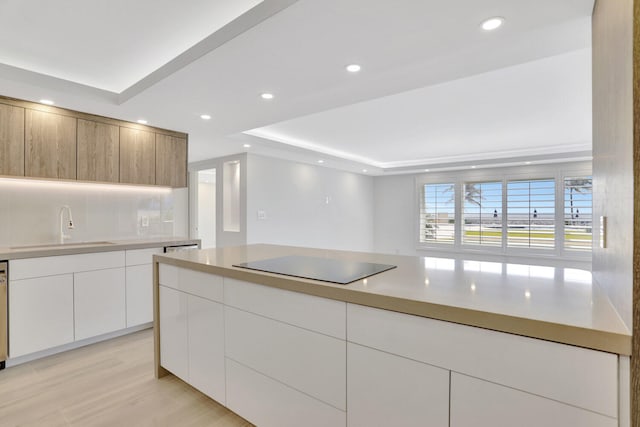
(29, 211)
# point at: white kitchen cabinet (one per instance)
(192, 333)
(206, 347)
(174, 338)
(539, 367)
(139, 285)
(99, 302)
(388, 390)
(307, 361)
(40, 313)
(269, 403)
(475, 402)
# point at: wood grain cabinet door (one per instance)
(11, 140)
(171, 161)
(50, 145)
(137, 156)
(98, 151)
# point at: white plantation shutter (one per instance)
(437, 213)
(531, 213)
(578, 213)
(482, 213)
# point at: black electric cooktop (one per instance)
(323, 269)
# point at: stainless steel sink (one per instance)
(62, 245)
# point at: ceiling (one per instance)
(434, 90)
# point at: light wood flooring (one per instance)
(106, 384)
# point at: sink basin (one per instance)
(62, 245)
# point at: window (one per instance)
(482, 214)
(437, 213)
(578, 214)
(531, 213)
(527, 210)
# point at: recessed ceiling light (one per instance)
(364, 170)
(320, 161)
(473, 167)
(527, 163)
(247, 145)
(492, 23)
(426, 170)
(353, 68)
(46, 101)
(142, 121)
(205, 117)
(267, 96)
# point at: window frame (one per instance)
(556, 171)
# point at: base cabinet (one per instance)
(192, 333)
(476, 402)
(269, 403)
(99, 302)
(266, 354)
(139, 285)
(388, 390)
(40, 313)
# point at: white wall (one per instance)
(29, 212)
(394, 206)
(294, 196)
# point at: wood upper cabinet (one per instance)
(171, 161)
(137, 156)
(98, 151)
(11, 140)
(50, 145)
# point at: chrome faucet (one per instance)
(69, 223)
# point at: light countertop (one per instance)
(551, 303)
(71, 247)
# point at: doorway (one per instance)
(205, 206)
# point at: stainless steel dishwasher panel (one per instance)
(4, 308)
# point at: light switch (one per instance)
(262, 215)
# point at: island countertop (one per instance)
(551, 303)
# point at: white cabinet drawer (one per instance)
(388, 390)
(544, 368)
(141, 256)
(310, 312)
(307, 361)
(204, 285)
(480, 403)
(268, 403)
(51, 266)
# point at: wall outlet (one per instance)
(144, 221)
(262, 215)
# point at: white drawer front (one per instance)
(480, 403)
(268, 403)
(50, 266)
(310, 312)
(548, 369)
(204, 285)
(389, 390)
(307, 361)
(141, 256)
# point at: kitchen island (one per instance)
(437, 341)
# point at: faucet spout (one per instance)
(69, 223)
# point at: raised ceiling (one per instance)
(434, 88)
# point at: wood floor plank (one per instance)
(105, 384)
